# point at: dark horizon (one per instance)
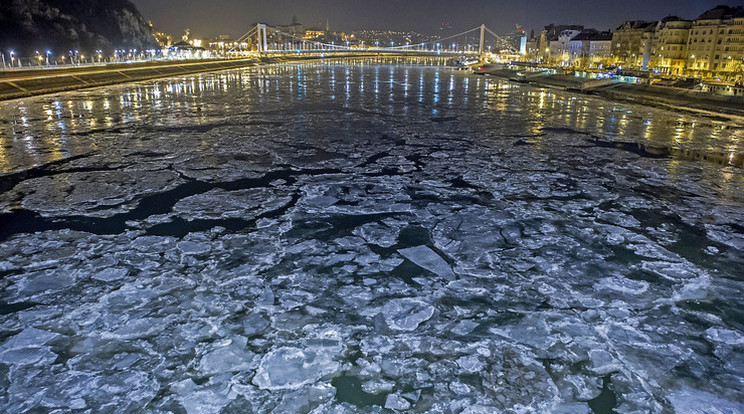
(234, 17)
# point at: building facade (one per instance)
(715, 47)
(631, 45)
(549, 48)
(590, 49)
(669, 46)
(710, 47)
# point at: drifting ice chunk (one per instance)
(111, 274)
(691, 401)
(429, 260)
(322, 201)
(306, 399)
(27, 356)
(459, 388)
(231, 358)
(603, 362)
(586, 388)
(43, 282)
(464, 327)
(27, 347)
(27, 338)
(623, 285)
(195, 399)
(470, 363)
(254, 323)
(406, 314)
(572, 408)
(193, 247)
(725, 336)
(291, 368)
(396, 402)
(377, 233)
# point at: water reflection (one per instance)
(44, 129)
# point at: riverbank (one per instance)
(654, 95)
(20, 84)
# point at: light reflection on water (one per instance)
(39, 130)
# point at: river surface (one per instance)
(367, 236)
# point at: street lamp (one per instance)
(48, 53)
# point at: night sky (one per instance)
(209, 18)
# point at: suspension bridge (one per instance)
(477, 42)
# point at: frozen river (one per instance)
(367, 237)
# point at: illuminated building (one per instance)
(549, 43)
(631, 44)
(590, 49)
(669, 49)
(715, 47)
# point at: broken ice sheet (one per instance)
(406, 314)
(534, 276)
(428, 259)
(27, 347)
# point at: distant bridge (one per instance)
(267, 40)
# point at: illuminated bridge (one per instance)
(266, 40)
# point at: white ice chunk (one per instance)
(291, 368)
(29, 337)
(254, 323)
(621, 284)
(459, 388)
(603, 362)
(725, 336)
(193, 247)
(27, 347)
(470, 363)
(428, 259)
(307, 399)
(197, 400)
(110, 274)
(396, 402)
(377, 233)
(464, 327)
(692, 401)
(406, 314)
(231, 358)
(378, 386)
(43, 281)
(587, 388)
(572, 408)
(322, 201)
(27, 356)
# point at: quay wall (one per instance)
(19, 84)
(654, 95)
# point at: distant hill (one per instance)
(61, 25)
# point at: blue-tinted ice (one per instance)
(371, 237)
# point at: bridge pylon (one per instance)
(482, 40)
(263, 45)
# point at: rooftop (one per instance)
(722, 12)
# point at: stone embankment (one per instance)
(669, 97)
(23, 83)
